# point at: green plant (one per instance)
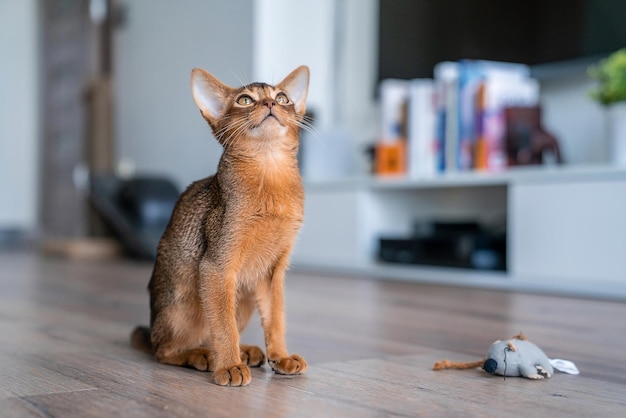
(610, 73)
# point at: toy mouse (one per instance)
(515, 357)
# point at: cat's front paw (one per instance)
(293, 364)
(238, 375)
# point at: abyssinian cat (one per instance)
(227, 245)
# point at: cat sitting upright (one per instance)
(227, 245)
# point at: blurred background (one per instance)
(56, 53)
(99, 91)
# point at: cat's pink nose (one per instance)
(269, 103)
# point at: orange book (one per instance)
(481, 150)
(391, 158)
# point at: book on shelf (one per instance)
(475, 78)
(472, 95)
(454, 122)
(391, 147)
(446, 88)
(494, 96)
(406, 143)
(422, 149)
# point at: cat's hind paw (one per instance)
(238, 375)
(293, 364)
(251, 355)
(200, 359)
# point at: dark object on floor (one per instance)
(137, 210)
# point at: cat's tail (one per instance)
(140, 340)
(447, 364)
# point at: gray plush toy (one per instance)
(514, 357)
(517, 357)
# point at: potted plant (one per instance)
(610, 74)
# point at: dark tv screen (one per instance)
(414, 35)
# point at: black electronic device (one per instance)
(448, 244)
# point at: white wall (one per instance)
(19, 114)
(291, 33)
(576, 120)
(358, 109)
(158, 127)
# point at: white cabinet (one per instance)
(566, 227)
(563, 231)
(333, 229)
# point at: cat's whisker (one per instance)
(241, 79)
(231, 127)
(308, 127)
(239, 128)
(219, 135)
(236, 130)
(304, 123)
(314, 132)
(308, 119)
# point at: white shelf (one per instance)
(565, 226)
(477, 178)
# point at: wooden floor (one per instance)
(370, 346)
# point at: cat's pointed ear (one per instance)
(296, 84)
(209, 93)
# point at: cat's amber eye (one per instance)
(245, 100)
(281, 98)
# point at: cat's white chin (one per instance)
(270, 125)
(270, 119)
